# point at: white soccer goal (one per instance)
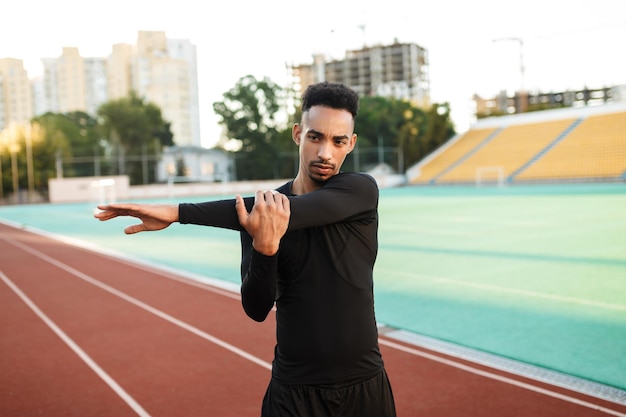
(493, 175)
(102, 191)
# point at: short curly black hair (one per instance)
(333, 95)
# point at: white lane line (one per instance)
(215, 285)
(81, 353)
(268, 365)
(500, 378)
(526, 293)
(144, 306)
(552, 378)
(534, 294)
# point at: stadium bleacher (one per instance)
(453, 154)
(595, 149)
(573, 144)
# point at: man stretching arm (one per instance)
(310, 250)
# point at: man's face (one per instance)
(325, 137)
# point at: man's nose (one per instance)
(324, 152)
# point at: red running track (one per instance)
(87, 334)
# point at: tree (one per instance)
(30, 151)
(399, 133)
(392, 131)
(133, 129)
(250, 114)
(75, 137)
(439, 128)
(387, 129)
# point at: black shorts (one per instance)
(370, 398)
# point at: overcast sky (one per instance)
(567, 44)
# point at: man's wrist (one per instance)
(265, 249)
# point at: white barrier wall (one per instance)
(85, 189)
(116, 188)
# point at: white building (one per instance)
(160, 70)
(164, 71)
(190, 163)
(16, 95)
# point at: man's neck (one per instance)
(301, 185)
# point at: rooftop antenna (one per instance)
(362, 27)
(521, 57)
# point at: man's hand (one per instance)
(152, 216)
(268, 220)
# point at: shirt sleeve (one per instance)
(220, 213)
(343, 197)
(258, 286)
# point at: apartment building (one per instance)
(399, 70)
(164, 71)
(16, 94)
(45, 88)
(160, 70)
(525, 101)
(119, 82)
(95, 83)
(71, 81)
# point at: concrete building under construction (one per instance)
(399, 70)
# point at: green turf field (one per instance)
(532, 273)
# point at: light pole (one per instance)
(2, 147)
(14, 148)
(29, 161)
(521, 57)
(1, 180)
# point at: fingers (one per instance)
(261, 197)
(110, 211)
(242, 212)
(285, 202)
(268, 221)
(281, 201)
(105, 214)
(136, 228)
(266, 202)
(116, 206)
(271, 197)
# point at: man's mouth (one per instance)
(323, 169)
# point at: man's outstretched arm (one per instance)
(153, 216)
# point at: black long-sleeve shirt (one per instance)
(321, 280)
